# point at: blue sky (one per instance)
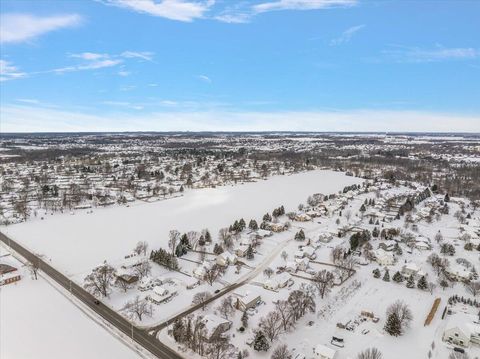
(324, 65)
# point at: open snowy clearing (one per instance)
(76, 243)
(37, 321)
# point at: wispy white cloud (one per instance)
(124, 73)
(16, 28)
(438, 53)
(9, 72)
(34, 118)
(90, 56)
(204, 78)
(90, 65)
(346, 36)
(30, 101)
(144, 55)
(123, 104)
(181, 10)
(301, 5)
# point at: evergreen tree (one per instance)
(260, 342)
(267, 217)
(208, 237)
(217, 249)
(422, 283)
(300, 235)
(447, 198)
(184, 239)
(397, 277)
(362, 208)
(253, 225)
(244, 319)
(386, 276)
(411, 282)
(376, 273)
(398, 250)
(375, 232)
(242, 224)
(249, 253)
(393, 326)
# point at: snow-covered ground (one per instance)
(38, 322)
(77, 243)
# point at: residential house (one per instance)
(248, 300)
(161, 294)
(8, 274)
(302, 263)
(226, 258)
(279, 281)
(277, 227)
(200, 271)
(384, 258)
(462, 330)
(458, 272)
(303, 217)
(325, 237)
(215, 326)
(241, 250)
(411, 268)
(324, 352)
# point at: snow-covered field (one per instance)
(39, 322)
(77, 243)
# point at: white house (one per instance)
(458, 272)
(226, 258)
(147, 283)
(303, 217)
(412, 268)
(247, 300)
(324, 352)
(279, 281)
(325, 237)
(384, 258)
(161, 294)
(200, 271)
(302, 263)
(241, 250)
(462, 330)
(215, 326)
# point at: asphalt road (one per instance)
(147, 341)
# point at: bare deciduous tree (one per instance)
(225, 238)
(268, 272)
(283, 309)
(201, 298)
(370, 353)
(33, 268)
(143, 269)
(141, 248)
(226, 308)
(174, 238)
(213, 273)
(323, 281)
(281, 352)
(100, 280)
(137, 308)
(271, 325)
(472, 287)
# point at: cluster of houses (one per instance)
(120, 176)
